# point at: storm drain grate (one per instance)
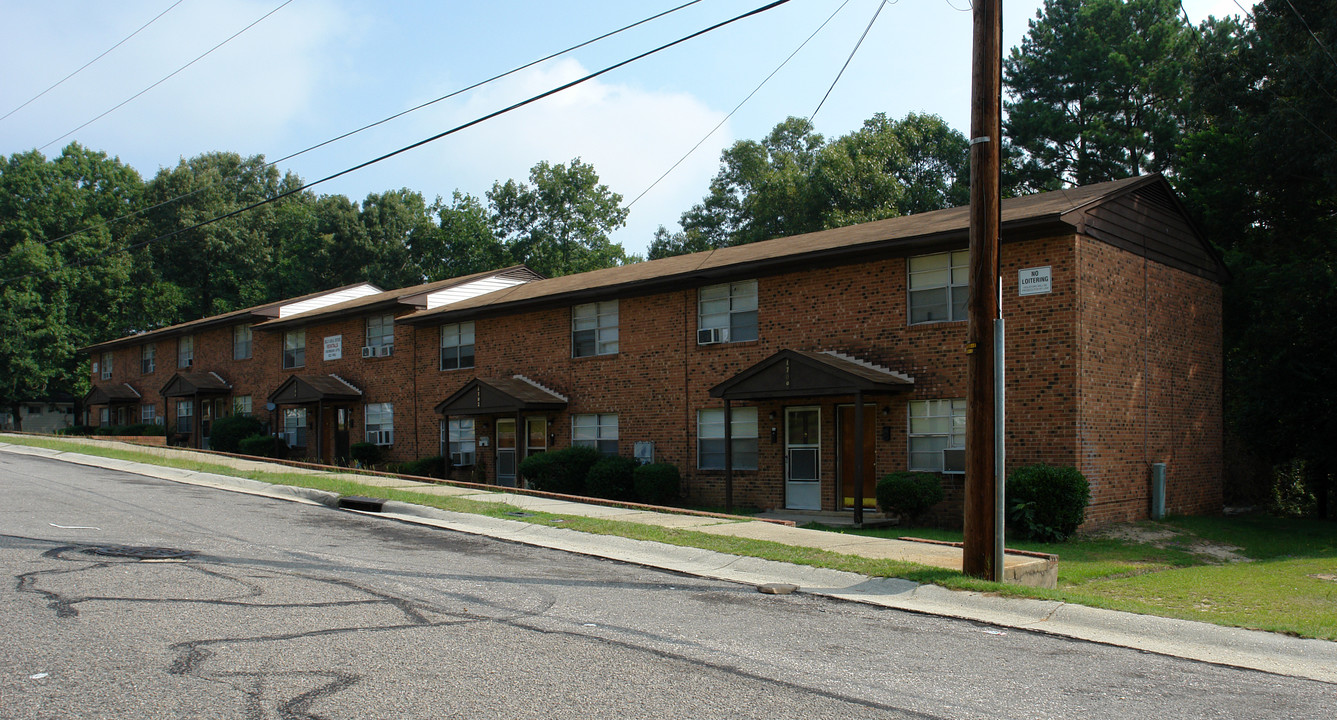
(139, 552)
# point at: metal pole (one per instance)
(999, 450)
(978, 555)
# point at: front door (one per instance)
(848, 447)
(536, 435)
(341, 434)
(803, 458)
(506, 452)
(206, 423)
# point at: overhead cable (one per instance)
(857, 45)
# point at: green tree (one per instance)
(394, 221)
(1096, 90)
(463, 244)
(559, 224)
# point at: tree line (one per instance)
(1240, 114)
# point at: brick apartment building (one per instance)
(1113, 359)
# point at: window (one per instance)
(185, 351)
(381, 333)
(457, 346)
(939, 285)
(104, 416)
(106, 365)
(148, 356)
(594, 329)
(241, 342)
(710, 439)
(185, 416)
(935, 426)
(148, 414)
(380, 423)
(460, 441)
(727, 313)
(294, 349)
(294, 427)
(241, 405)
(596, 431)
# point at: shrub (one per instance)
(1046, 503)
(909, 493)
(610, 478)
(422, 467)
(228, 432)
(365, 453)
(656, 483)
(560, 471)
(77, 430)
(262, 446)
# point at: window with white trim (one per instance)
(106, 365)
(598, 431)
(727, 312)
(241, 342)
(148, 358)
(594, 329)
(148, 414)
(241, 405)
(294, 349)
(935, 426)
(294, 427)
(710, 438)
(104, 416)
(459, 441)
(457, 346)
(185, 416)
(938, 287)
(185, 351)
(381, 331)
(380, 422)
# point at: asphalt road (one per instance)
(295, 611)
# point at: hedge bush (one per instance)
(78, 430)
(560, 471)
(228, 432)
(1045, 502)
(366, 454)
(909, 493)
(262, 446)
(422, 467)
(656, 483)
(610, 478)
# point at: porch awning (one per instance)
(112, 394)
(196, 383)
(804, 373)
(304, 389)
(496, 396)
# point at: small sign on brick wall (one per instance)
(1034, 281)
(334, 347)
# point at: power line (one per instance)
(494, 78)
(425, 141)
(739, 105)
(1317, 42)
(168, 77)
(848, 60)
(58, 83)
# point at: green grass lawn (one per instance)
(1285, 581)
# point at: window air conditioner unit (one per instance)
(368, 351)
(954, 460)
(157, 420)
(385, 351)
(190, 362)
(381, 437)
(710, 336)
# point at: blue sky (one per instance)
(318, 68)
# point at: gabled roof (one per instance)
(257, 313)
(110, 394)
(1052, 213)
(415, 297)
(303, 389)
(802, 373)
(489, 396)
(195, 383)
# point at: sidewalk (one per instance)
(1267, 652)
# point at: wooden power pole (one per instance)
(981, 542)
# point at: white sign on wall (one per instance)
(334, 347)
(1034, 281)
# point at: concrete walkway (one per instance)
(1267, 652)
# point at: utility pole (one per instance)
(982, 546)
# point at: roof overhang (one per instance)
(195, 383)
(305, 389)
(497, 396)
(119, 393)
(799, 373)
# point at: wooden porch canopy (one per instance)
(500, 396)
(804, 373)
(196, 383)
(307, 389)
(120, 393)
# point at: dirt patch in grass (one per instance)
(1164, 537)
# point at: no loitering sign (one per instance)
(1034, 281)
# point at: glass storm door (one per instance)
(803, 455)
(536, 435)
(506, 452)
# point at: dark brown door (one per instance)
(848, 446)
(341, 433)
